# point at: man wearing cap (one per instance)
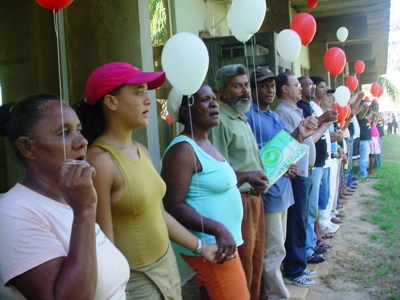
(234, 140)
(266, 124)
(295, 263)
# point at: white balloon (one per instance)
(237, 31)
(342, 33)
(342, 95)
(288, 44)
(250, 14)
(173, 104)
(184, 60)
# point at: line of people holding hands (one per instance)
(93, 219)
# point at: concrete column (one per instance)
(103, 31)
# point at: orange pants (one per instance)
(222, 281)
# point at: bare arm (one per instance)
(104, 182)
(257, 179)
(178, 168)
(73, 276)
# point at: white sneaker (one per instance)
(310, 273)
(333, 224)
(328, 228)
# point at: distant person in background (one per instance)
(374, 144)
(389, 122)
(394, 124)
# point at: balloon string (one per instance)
(253, 38)
(55, 15)
(198, 202)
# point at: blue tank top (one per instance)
(213, 194)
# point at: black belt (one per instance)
(251, 192)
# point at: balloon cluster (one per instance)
(246, 17)
(343, 113)
(376, 90)
(302, 30)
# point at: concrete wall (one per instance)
(200, 17)
(28, 65)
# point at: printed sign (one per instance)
(279, 153)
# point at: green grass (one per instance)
(384, 263)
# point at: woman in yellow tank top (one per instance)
(130, 210)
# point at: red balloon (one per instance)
(55, 5)
(359, 66)
(341, 112)
(312, 4)
(334, 60)
(352, 82)
(374, 89)
(168, 119)
(304, 24)
(366, 99)
(379, 92)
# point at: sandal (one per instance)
(322, 244)
(328, 236)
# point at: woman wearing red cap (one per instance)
(130, 190)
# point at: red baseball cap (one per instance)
(108, 77)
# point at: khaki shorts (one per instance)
(158, 281)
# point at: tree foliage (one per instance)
(158, 23)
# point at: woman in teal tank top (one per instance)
(203, 196)
(129, 189)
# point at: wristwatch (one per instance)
(200, 247)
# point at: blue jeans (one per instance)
(378, 157)
(311, 238)
(324, 190)
(364, 159)
(295, 261)
(350, 163)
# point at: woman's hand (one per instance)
(226, 244)
(210, 254)
(76, 185)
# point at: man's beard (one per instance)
(241, 107)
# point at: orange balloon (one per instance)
(168, 119)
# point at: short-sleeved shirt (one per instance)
(265, 126)
(234, 139)
(321, 145)
(292, 116)
(306, 107)
(35, 229)
(365, 129)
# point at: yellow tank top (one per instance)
(140, 232)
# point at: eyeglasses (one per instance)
(295, 85)
(311, 86)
